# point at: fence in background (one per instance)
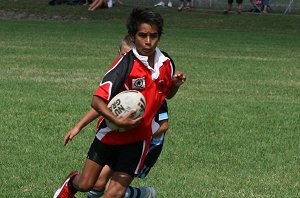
(277, 6)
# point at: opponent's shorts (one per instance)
(126, 158)
(151, 158)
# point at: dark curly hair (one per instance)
(145, 15)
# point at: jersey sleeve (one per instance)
(162, 113)
(171, 60)
(115, 77)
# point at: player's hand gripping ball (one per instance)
(125, 102)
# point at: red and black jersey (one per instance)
(132, 72)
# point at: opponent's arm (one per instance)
(163, 127)
(88, 118)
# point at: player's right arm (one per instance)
(123, 122)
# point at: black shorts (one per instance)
(120, 158)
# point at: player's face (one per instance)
(146, 39)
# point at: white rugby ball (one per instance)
(123, 103)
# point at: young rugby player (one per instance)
(147, 70)
(159, 127)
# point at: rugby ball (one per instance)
(123, 103)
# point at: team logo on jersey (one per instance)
(138, 83)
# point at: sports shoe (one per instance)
(160, 4)
(151, 191)
(64, 191)
(170, 4)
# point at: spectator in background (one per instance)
(256, 4)
(229, 6)
(265, 6)
(118, 2)
(68, 2)
(100, 4)
(185, 4)
(260, 6)
(87, 2)
(162, 3)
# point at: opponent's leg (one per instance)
(118, 184)
(99, 187)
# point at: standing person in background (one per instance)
(162, 3)
(185, 4)
(125, 152)
(265, 6)
(229, 6)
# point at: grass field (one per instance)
(234, 126)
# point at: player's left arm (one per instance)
(177, 80)
(163, 127)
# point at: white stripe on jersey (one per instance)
(102, 132)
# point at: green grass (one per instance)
(234, 124)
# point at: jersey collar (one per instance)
(159, 59)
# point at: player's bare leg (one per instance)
(80, 182)
(102, 182)
(117, 186)
(87, 179)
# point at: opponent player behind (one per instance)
(126, 45)
(159, 126)
(147, 70)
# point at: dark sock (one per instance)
(95, 193)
